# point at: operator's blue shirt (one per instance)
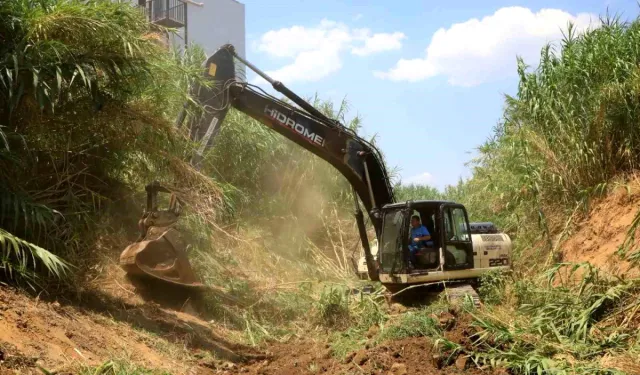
(420, 231)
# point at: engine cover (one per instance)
(491, 250)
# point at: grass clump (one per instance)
(366, 314)
(276, 315)
(333, 307)
(120, 368)
(372, 324)
(419, 323)
(492, 288)
(561, 328)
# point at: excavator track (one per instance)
(457, 293)
(425, 294)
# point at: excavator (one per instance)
(459, 253)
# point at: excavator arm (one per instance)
(356, 159)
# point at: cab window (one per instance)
(390, 250)
(448, 230)
(456, 225)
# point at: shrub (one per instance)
(412, 324)
(333, 307)
(86, 95)
(492, 287)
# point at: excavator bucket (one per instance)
(160, 251)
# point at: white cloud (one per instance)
(358, 17)
(477, 51)
(289, 42)
(379, 42)
(420, 179)
(317, 51)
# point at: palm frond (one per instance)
(24, 260)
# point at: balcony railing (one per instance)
(167, 13)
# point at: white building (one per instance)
(208, 23)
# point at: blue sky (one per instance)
(428, 77)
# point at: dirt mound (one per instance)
(62, 334)
(407, 356)
(401, 357)
(598, 235)
(413, 355)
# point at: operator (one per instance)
(420, 238)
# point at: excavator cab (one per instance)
(450, 246)
(160, 251)
(460, 251)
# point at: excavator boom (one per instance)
(357, 159)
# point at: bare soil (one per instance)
(407, 356)
(65, 332)
(598, 235)
(121, 320)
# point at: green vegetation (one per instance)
(562, 329)
(356, 313)
(333, 307)
(21, 259)
(119, 368)
(413, 324)
(88, 94)
(370, 321)
(566, 135)
(565, 138)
